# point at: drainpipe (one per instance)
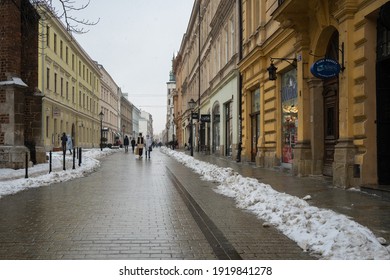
(199, 49)
(239, 150)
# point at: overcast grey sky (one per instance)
(135, 41)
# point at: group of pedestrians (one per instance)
(139, 145)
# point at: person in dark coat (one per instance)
(133, 144)
(126, 143)
(64, 140)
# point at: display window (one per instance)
(289, 102)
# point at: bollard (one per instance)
(80, 156)
(49, 162)
(74, 158)
(26, 176)
(63, 159)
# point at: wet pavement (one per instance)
(367, 209)
(137, 209)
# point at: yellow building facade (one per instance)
(69, 81)
(335, 125)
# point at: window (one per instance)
(66, 55)
(289, 100)
(48, 36)
(256, 101)
(55, 82)
(232, 37)
(383, 46)
(226, 45)
(67, 90)
(73, 92)
(48, 78)
(61, 48)
(73, 62)
(55, 43)
(47, 126)
(62, 87)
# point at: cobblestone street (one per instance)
(135, 209)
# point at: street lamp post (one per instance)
(191, 105)
(101, 115)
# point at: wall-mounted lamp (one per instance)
(272, 69)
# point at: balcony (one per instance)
(292, 13)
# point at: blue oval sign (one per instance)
(325, 68)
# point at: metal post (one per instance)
(26, 176)
(101, 116)
(191, 137)
(50, 161)
(63, 159)
(80, 153)
(74, 158)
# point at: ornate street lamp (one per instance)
(101, 115)
(272, 71)
(191, 106)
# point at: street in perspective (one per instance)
(138, 134)
(158, 208)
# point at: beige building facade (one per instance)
(333, 126)
(69, 81)
(110, 107)
(206, 71)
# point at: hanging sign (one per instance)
(205, 118)
(195, 116)
(325, 68)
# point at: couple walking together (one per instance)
(142, 143)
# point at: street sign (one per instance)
(325, 68)
(195, 116)
(205, 118)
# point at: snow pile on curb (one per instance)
(322, 232)
(13, 181)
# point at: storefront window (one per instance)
(255, 122)
(216, 129)
(289, 115)
(229, 127)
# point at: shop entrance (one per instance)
(331, 109)
(383, 104)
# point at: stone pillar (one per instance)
(12, 149)
(317, 125)
(343, 163)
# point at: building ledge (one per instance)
(14, 81)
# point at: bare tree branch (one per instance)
(65, 10)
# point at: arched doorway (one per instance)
(331, 108)
(383, 102)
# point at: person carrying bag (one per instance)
(140, 145)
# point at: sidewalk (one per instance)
(369, 210)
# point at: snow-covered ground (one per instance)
(13, 181)
(321, 231)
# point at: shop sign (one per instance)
(195, 116)
(325, 68)
(205, 118)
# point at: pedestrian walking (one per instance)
(126, 143)
(140, 144)
(69, 144)
(133, 144)
(148, 146)
(64, 140)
